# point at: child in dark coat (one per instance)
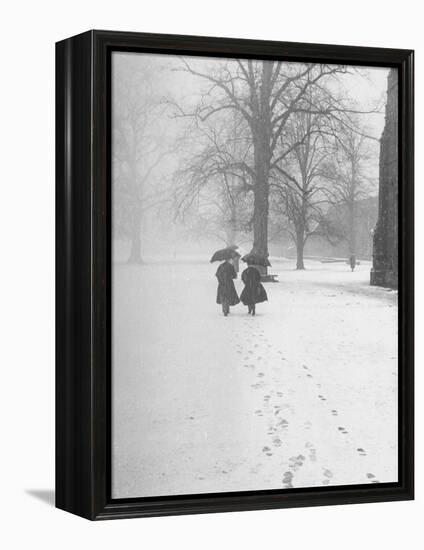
(253, 292)
(227, 295)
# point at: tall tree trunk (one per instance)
(135, 253)
(300, 245)
(352, 210)
(352, 227)
(261, 133)
(260, 218)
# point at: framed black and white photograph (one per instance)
(234, 274)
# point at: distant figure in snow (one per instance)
(227, 295)
(253, 292)
(352, 261)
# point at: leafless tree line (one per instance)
(264, 139)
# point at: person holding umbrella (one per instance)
(226, 295)
(253, 292)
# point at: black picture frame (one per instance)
(83, 233)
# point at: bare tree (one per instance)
(211, 187)
(266, 94)
(350, 174)
(137, 150)
(299, 195)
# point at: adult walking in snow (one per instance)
(253, 292)
(352, 261)
(227, 295)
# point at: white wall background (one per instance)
(28, 33)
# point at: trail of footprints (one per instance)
(279, 425)
(342, 430)
(296, 462)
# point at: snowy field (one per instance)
(302, 395)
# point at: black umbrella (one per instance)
(256, 259)
(228, 253)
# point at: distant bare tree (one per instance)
(298, 193)
(350, 176)
(137, 150)
(212, 185)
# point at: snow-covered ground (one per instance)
(302, 395)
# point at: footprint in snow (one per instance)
(372, 478)
(328, 475)
(361, 451)
(287, 480)
(312, 451)
(296, 462)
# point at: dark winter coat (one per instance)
(253, 292)
(226, 290)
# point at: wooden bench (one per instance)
(269, 278)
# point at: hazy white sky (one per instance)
(366, 87)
